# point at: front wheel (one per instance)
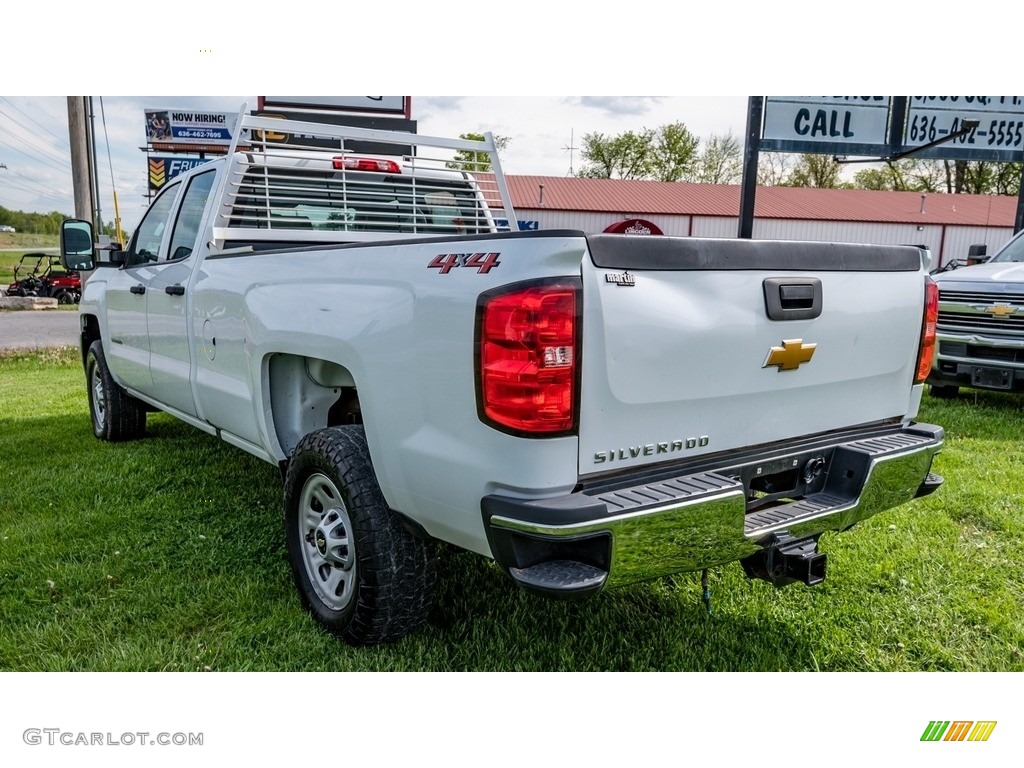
(116, 415)
(358, 571)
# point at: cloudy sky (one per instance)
(527, 55)
(34, 137)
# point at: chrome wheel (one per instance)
(327, 542)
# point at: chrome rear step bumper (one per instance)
(699, 520)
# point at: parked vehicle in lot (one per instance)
(34, 275)
(980, 333)
(976, 254)
(7, 228)
(589, 411)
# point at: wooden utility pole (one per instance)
(80, 159)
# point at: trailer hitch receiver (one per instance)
(786, 560)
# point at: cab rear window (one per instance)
(339, 201)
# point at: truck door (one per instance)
(168, 300)
(128, 350)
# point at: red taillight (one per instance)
(528, 358)
(366, 164)
(931, 318)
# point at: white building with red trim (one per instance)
(946, 224)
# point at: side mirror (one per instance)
(977, 254)
(76, 246)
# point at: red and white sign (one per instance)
(634, 227)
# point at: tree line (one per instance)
(673, 153)
(33, 223)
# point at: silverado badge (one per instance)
(791, 355)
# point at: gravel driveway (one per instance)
(38, 329)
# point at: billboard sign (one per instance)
(163, 169)
(392, 105)
(285, 135)
(177, 127)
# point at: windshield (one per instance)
(1013, 251)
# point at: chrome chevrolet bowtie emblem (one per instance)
(791, 355)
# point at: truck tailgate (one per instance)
(695, 346)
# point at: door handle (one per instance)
(175, 290)
(138, 289)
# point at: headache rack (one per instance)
(289, 180)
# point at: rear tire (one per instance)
(116, 415)
(358, 571)
(945, 391)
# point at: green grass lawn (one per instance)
(167, 554)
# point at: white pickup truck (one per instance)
(588, 411)
(980, 331)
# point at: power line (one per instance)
(18, 185)
(35, 195)
(44, 160)
(41, 187)
(63, 139)
(47, 149)
(44, 196)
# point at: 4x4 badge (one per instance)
(791, 355)
(481, 262)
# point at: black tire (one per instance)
(65, 297)
(358, 571)
(116, 415)
(945, 391)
